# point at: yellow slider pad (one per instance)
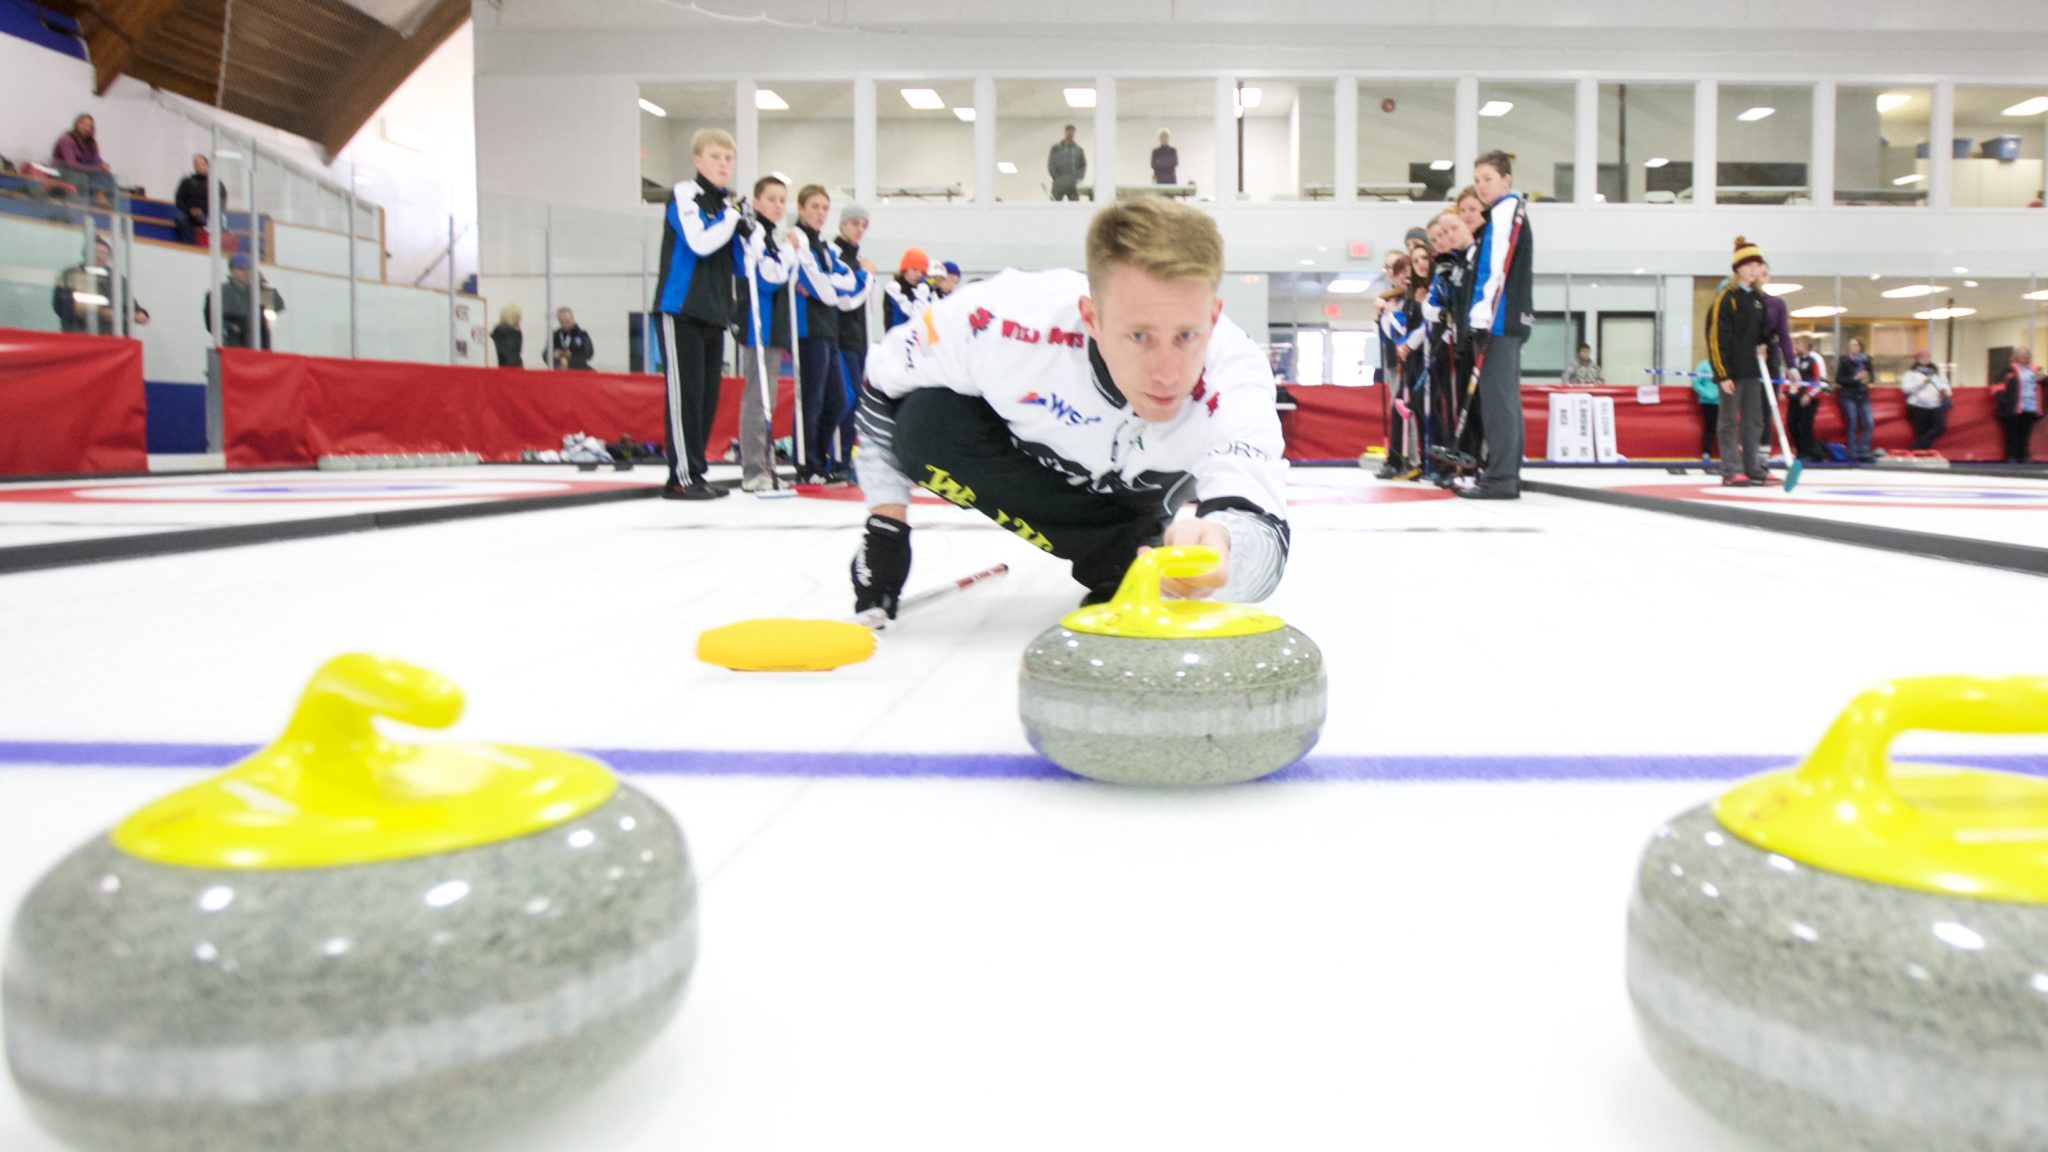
(783, 645)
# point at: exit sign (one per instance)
(1361, 250)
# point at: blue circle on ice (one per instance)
(1937, 493)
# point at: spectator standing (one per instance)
(1709, 395)
(822, 278)
(1165, 160)
(853, 331)
(1503, 308)
(2019, 405)
(76, 155)
(1471, 210)
(573, 349)
(507, 338)
(1738, 339)
(84, 297)
(763, 309)
(1806, 383)
(703, 238)
(1067, 164)
(908, 293)
(1583, 369)
(1853, 377)
(192, 204)
(1928, 399)
(236, 305)
(945, 278)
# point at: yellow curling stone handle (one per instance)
(333, 792)
(1954, 831)
(1140, 611)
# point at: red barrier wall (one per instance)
(1332, 423)
(291, 410)
(71, 404)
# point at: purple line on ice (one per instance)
(953, 766)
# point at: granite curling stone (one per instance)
(348, 945)
(1851, 954)
(1152, 691)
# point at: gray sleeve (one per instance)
(1258, 552)
(881, 480)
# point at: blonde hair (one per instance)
(511, 314)
(706, 138)
(1162, 237)
(1468, 192)
(804, 194)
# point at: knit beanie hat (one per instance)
(851, 213)
(914, 260)
(952, 269)
(1417, 236)
(1746, 253)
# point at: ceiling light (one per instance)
(1349, 287)
(1251, 97)
(1442, 165)
(1779, 289)
(766, 100)
(966, 114)
(1914, 178)
(405, 135)
(1969, 283)
(1944, 313)
(651, 108)
(2034, 107)
(1891, 100)
(1639, 271)
(1006, 168)
(1755, 114)
(2041, 295)
(1080, 97)
(1306, 260)
(1656, 161)
(1496, 108)
(1818, 312)
(923, 99)
(1961, 271)
(1874, 277)
(1912, 290)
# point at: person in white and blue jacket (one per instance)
(1503, 310)
(763, 332)
(822, 278)
(853, 332)
(693, 305)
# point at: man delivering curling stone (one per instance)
(1081, 413)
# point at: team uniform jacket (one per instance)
(1735, 327)
(822, 277)
(762, 270)
(853, 306)
(1016, 341)
(901, 305)
(1502, 286)
(696, 241)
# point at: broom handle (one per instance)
(877, 619)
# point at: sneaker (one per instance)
(1737, 482)
(673, 491)
(716, 493)
(754, 484)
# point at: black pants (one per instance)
(694, 355)
(823, 402)
(1710, 421)
(1928, 425)
(1799, 413)
(957, 447)
(2019, 434)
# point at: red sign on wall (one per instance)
(1332, 311)
(1361, 250)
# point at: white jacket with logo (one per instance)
(1016, 341)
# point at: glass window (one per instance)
(1881, 136)
(1407, 137)
(1306, 155)
(924, 141)
(669, 115)
(2000, 136)
(806, 133)
(1032, 117)
(1645, 143)
(1765, 144)
(1166, 136)
(1536, 122)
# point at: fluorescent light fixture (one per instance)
(1656, 161)
(1962, 271)
(1912, 290)
(1348, 287)
(1817, 312)
(651, 108)
(1251, 97)
(923, 99)
(1442, 165)
(966, 114)
(1080, 97)
(1969, 283)
(1006, 168)
(1639, 271)
(1891, 100)
(404, 135)
(2034, 107)
(1778, 289)
(2041, 295)
(1944, 313)
(228, 154)
(1306, 260)
(1756, 114)
(1496, 107)
(766, 100)
(1913, 178)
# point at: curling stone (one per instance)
(1147, 690)
(1852, 954)
(348, 945)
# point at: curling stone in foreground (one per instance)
(348, 945)
(1147, 690)
(1855, 955)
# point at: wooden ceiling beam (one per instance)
(376, 71)
(118, 35)
(303, 84)
(291, 117)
